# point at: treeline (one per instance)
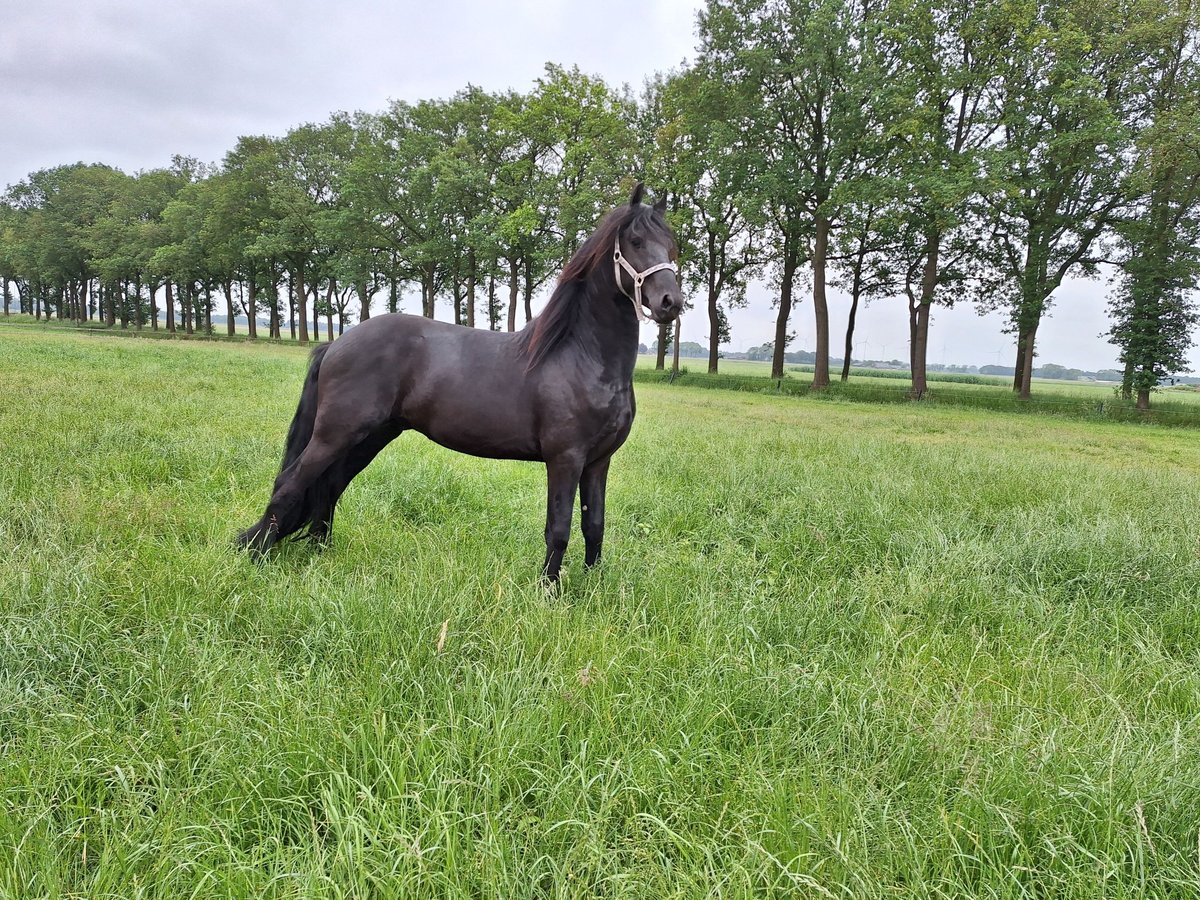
(924, 152)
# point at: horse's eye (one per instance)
(637, 242)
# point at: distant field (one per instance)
(1070, 398)
(835, 650)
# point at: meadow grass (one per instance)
(834, 650)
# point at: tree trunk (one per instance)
(920, 329)
(428, 308)
(208, 308)
(513, 272)
(250, 305)
(855, 290)
(4, 285)
(275, 328)
(153, 306)
(471, 288)
(1026, 373)
(364, 301)
(920, 351)
(301, 301)
(820, 307)
(493, 312)
(230, 311)
(170, 301)
(714, 312)
(315, 335)
(528, 289)
(660, 360)
(785, 305)
(1143, 398)
(329, 311)
(675, 349)
(1019, 364)
(123, 294)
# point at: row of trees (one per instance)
(926, 151)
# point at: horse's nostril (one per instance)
(666, 301)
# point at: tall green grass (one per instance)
(834, 650)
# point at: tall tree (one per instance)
(1056, 173)
(59, 209)
(705, 172)
(802, 59)
(1153, 310)
(936, 73)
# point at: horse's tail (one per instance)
(301, 430)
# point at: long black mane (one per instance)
(587, 276)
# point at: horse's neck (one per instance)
(608, 331)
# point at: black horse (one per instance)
(560, 391)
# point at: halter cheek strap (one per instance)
(619, 263)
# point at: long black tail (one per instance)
(301, 429)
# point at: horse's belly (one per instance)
(492, 432)
(487, 446)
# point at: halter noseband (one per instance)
(619, 263)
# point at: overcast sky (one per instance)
(132, 82)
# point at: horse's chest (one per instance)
(614, 418)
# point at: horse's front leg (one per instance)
(591, 500)
(562, 481)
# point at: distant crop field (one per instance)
(1177, 406)
(835, 649)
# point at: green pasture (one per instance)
(835, 649)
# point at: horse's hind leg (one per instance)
(296, 488)
(591, 499)
(328, 490)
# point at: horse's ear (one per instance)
(637, 194)
(660, 205)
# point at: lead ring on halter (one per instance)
(619, 262)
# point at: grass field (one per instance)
(835, 650)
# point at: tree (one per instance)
(58, 209)
(706, 178)
(1153, 308)
(864, 250)
(1056, 175)
(937, 69)
(801, 61)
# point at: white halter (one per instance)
(619, 263)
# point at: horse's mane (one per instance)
(588, 274)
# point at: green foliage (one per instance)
(1153, 309)
(920, 150)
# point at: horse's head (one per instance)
(645, 254)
